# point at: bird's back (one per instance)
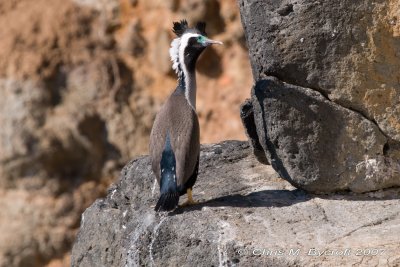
(177, 119)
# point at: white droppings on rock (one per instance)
(112, 193)
(205, 208)
(154, 187)
(369, 166)
(82, 219)
(133, 252)
(153, 238)
(226, 234)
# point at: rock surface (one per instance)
(347, 50)
(338, 127)
(318, 145)
(80, 82)
(248, 216)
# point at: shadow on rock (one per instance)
(265, 198)
(284, 198)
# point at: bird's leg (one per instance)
(190, 200)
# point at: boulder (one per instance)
(326, 97)
(318, 145)
(247, 216)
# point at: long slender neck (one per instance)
(187, 83)
(184, 58)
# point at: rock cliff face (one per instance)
(80, 82)
(327, 94)
(324, 112)
(248, 216)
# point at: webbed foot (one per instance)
(189, 201)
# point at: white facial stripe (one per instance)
(184, 42)
(176, 53)
(177, 49)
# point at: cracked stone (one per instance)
(318, 145)
(351, 141)
(348, 50)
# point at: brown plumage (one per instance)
(178, 118)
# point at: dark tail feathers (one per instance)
(167, 201)
(169, 191)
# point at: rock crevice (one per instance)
(324, 94)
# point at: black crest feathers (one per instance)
(201, 27)
(180, 27)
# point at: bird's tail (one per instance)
(167, 201)
(169, 197)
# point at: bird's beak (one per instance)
(210, 42)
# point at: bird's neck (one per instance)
(187, 84)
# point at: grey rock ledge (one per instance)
(246, 210)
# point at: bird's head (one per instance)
(188, 45)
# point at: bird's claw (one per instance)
(189, 203)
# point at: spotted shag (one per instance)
(175, 137)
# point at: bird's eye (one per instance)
(201, 39)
